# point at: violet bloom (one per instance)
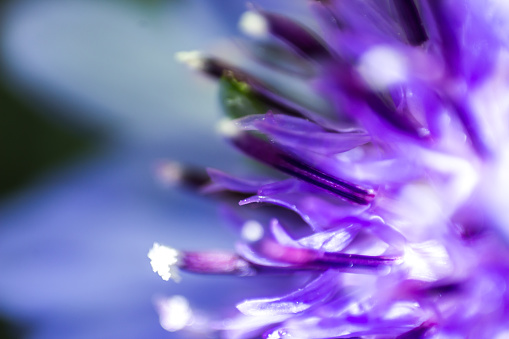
(400, 186)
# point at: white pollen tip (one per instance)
(164, 261)
(252, 230)
(383, 66)
(169, 173)
(193, 59)
(254, 24)
(228, 128)
(174, 313)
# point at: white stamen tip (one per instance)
(228, 128)
(383, 66)
(193, 59)
(174, 313)
(164, 261)
(252, 230)
(169, 172)
(254, 24)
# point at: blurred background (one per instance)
(90, 101)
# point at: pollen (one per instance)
(252, 231)
(253, 24)
(169, 173)
(227, 128)
(193, 59)
(164, 261)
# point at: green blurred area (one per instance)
(10, 331)
(238, 100)
(31, 144)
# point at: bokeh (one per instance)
(90, 100)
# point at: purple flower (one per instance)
(398, 185)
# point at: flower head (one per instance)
(397, 185)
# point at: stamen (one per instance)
(258, 24)
(371, 89)
(165, 261)
(308, 259)
(254, 24)
(272, 156)
(450, 45)
(215, 262)
(417, 332)
(382, 67)
(193, 59)
(172, 173)
(411, 22)
(259, 90)
(386, 110)
(326, 12)
(212, 66)
(353, 188)
(227, 128)
(354, 260)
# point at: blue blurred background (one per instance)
(90, 100)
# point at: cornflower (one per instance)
(400, 185)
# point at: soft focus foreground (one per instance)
(387, 135)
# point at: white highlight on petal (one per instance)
(382, 66)
(271, 306)
(164, 261)
(254, 24)
(502, 335)
(282, 334)
(252, 230)
(402, 309)
(496, 187)
(421, 205)
(464, 177)
(174, 313)
(193, 59)
(275, 335)
(427, 261)
(228, 128)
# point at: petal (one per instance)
(304, 138)
(224, 181)
(318, 212)
(319, 290)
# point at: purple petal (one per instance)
(331, 241)
(368, 18)
(411, 22)
(283, 121)
(293, 165)
(317, 212)
(319, 290)
(224, 181)
(247, 252)
(298, 135)
(295, 35)
(280, 234)
(327, 241)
